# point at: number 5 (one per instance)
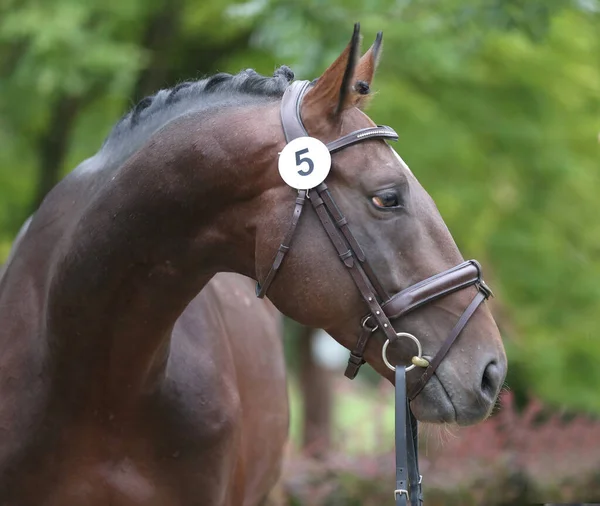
(308, 161)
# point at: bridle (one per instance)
(381, 306)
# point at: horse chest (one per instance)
(178, 459)
(211, 432)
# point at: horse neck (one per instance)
(146, 244)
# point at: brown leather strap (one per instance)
(365, 278)
(430, 289)
(358, 275)
(342, 223)
(378, 132)
(408, 480)
(294, 128)
(290, 110)
(284, 247)
(454, 333)
(354, 258)
(356, 359)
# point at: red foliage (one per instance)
(545, 447)
(513, 457)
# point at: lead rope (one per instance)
(408, 480)
(414, 477)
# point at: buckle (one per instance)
(365, 321)
(399, 492)
(482, 285)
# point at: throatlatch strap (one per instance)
(284, 247)
(292, 129)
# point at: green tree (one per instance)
(497, 103)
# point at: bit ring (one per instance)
(386, 344)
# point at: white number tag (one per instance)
(304, 163)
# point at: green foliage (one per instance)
(497, 103)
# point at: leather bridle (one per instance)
(381, 307)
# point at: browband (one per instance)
(294, 128)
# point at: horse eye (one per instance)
(386, 199)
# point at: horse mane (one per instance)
(153, 112)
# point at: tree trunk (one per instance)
(160, 38)
(53, 145)
(173, 58)
(316, 391)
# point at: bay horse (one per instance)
(108, 394)
(240, 336)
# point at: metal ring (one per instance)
(364, 325)
(386, 344)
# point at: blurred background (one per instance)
(497, 103)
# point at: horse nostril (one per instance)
(490, 379)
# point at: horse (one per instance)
(242, 336)
(108, 394)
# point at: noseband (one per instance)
(381, 307)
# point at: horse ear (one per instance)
(367, 65)
(332, 92)
(365, 71)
